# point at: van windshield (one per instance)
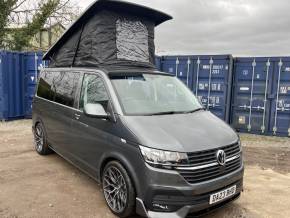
(153, 94)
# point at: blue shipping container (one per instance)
(11, 85)
(261, 95)
(33, 64)
(158, 62)
(201, 72)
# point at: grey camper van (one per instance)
(141, 133)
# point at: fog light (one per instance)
(158, 207)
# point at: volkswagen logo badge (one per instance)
(221, 157)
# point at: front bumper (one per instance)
(168, 195)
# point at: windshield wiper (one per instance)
(175, 112)
(195, 110)
(163, 113)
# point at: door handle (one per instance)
(77, 116)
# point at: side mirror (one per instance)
(95, 110)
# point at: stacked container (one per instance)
(209, 77)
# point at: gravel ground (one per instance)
(35, 186)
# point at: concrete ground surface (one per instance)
(47, 186)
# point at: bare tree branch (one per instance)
(22, 14)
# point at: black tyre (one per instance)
(118, 190)
(40, 141)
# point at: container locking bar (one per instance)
(209, 82)
(176, 66)
(268, 64)
(254, 64)
(188, 69)
(197, 76)
(280, 64)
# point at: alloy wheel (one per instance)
(38, 138)
(115, 189)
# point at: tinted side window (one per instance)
(45, 85)
(58, 86)
(93, 91)
(65, 84)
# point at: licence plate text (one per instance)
(219, 196)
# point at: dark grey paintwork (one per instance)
(191, 132)
(89, 143)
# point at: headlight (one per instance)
(163, 158)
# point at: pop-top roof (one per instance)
(84, 43)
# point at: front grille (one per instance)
(208, 156)
(213, 170)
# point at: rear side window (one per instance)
(60, 87)
(93, 91)
(45, 85)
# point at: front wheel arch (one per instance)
(123, 208)
(125, 164)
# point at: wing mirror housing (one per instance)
(95, 111)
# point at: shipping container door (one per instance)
(212, 83)
(252, 94)
(33, 65)
(180, 66)
(280, 113)
(11, 85)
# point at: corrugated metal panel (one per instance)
(214, 72)
(280, 107)
(11, 85)
(261, 95)
(158, 62)
(201, 72)
(33, 61)
(180, 66)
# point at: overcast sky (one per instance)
(239, 27)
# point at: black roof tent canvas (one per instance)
(110, 34)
